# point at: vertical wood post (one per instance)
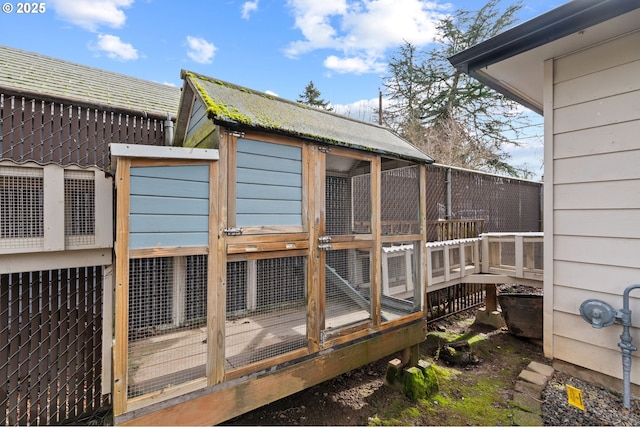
(491, 298)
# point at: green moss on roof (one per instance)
(226, 102)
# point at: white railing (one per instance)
(517, 255)
(490, 258)
(450, 261)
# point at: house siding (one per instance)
(596, 197)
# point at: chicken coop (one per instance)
(272, 247)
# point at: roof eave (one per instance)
(237, 126)
(565, 20)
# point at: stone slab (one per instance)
(533, 377)
(541, 368)
(531, 389)
(527, 403)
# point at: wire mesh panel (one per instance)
(79, 207)
(400, 198)
(50, 346)
(348, 196)
(21, 207)
(347, 287)
(167, 322)
(401, 281)
(266, 309)
(506, 204)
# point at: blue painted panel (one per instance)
(268, 192)
(169, 206)
(268, 184)
(269, 149)
(185, 173)
(169, 188)
(267, 220)
(169, 223)
(198, 117)
(261, 162)
(253, 176)
(163, 240)
(248, 206)
(162, 205)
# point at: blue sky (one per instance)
(274, 46)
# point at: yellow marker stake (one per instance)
(574, 395)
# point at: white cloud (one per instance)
(115, 48)
(354, 65)
(362, 30)
(200, 50)
(91, 14)
(249, 7)
(272, 93)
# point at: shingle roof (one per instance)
(238, 106)
(32, 73)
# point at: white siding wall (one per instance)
(596, 198)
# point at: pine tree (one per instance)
(311, 96)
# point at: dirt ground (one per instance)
(476, 394)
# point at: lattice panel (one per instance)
(167, 322)
(266, 309)
(79, 207)
(21, 207)
(347, 288)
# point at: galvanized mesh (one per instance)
(21, 207)
(266, 309)
(79, 207)
(347, 287)
(65, 134)
(400, 198)
(401, 282)
(167, 322)
(347, 196)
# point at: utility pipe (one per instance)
(625, 344)
(601, 314)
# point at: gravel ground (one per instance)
(602, 407)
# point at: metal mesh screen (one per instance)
(505, 204)
(21, 207)
(167, 322)
(347, 196)
(46, 132)
(401, 281)
(79, 207)
(50, 346)
(400, 199)
(347, 287)
(266, 309)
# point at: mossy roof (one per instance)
(245, 108)
(36, 74)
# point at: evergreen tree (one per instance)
(451, 116)
(311, 96)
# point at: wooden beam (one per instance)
(121, 344)
(228, 400)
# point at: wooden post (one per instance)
(491, 298)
